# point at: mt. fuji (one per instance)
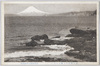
(32, 11)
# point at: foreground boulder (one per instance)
(38, 37)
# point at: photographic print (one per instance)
(47, 32)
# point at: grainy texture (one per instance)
(34, 35)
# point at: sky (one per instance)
(50, 8)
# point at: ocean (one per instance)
(19, 30)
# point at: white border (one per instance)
(48, 63)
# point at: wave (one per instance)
(59, 49)
(61, 38)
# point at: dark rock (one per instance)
(85, 46)
(82, 32)
(32, 43)
(76, 39)
(78, 31)
(83, 55)
(77, 43)
(94, 13)
(93, 33)
(72, 35)
(38, 37)
(48, 41)
(44, 36)
(72, 53)
(90, 46)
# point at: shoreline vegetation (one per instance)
(83, 42)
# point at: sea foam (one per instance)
(59, 49)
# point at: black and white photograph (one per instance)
(50, 32)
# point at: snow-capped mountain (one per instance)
(32, 11)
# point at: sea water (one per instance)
(19, 30)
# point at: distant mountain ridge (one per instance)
(32, 11)
(81, 13)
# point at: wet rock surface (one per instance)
(84, 43)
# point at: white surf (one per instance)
(57, 50)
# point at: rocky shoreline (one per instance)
(83, 42)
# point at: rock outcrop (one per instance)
(35, 39)
(76, 32)
(32, 43)
(38, 37)
(84, 41)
